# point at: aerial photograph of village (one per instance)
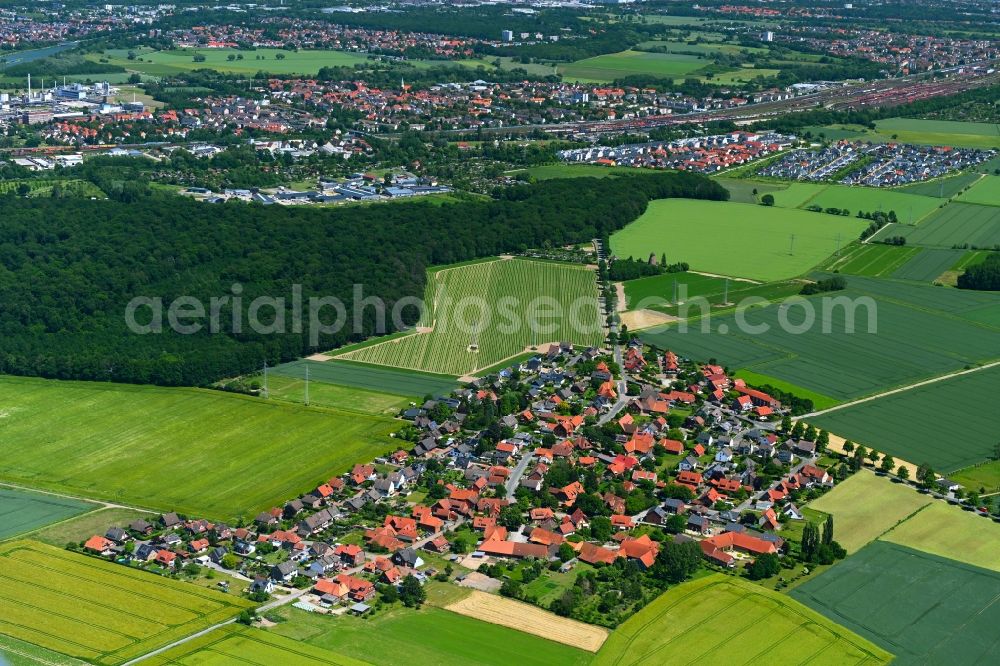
(499, 332)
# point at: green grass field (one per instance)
(938, 132)
(909, 207)
(24, 511)
(819, 400)
(725, 620)
(429, 636)
(942, 187)
(742, 190)
(797, 195)
(913, 332)
(928, 264)
(235, 644)
(947, 531)
(866, 506)
(550, 171)
(167, 63)
(873, 260)
(955, 224)
(389, 382)
(322, 394)
(735, 239)
(986, 192)
(983, 478)
(94, 610)
(194, 451)
(83, 527)
(907, 424)
(481, 316)
(923, 608)
(605, 68)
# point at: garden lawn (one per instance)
(429, 636)
(606, 68)
(720, 619)
(906, 332)
(986, 192)
(866, 506)
(908, 425)
(948, 531)
(736, 239)
(924, 609)
(481, 315)
(83, 527)
(200, 452)
(984, 477)
(24, 511)
(955, 224)
(94, 610)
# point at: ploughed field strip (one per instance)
(477, 316)
(923, 608)
(23, 511)
(95, 610)
(719, 619)
(920, 331)
(874, 260)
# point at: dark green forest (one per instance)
(984, 276)
(67, 272)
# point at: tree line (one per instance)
(68, 270)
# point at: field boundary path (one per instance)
(101, 503)
(901, 389)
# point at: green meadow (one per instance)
(757, 242)
(276, 61)
(195, 451)
(607, 68)
(24, 511)
(429, 636)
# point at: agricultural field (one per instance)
(742, 190)
(389, 381)
(986, 192)
(908, 424)
(606, 68)
(937, 132)
(943, 188)
(694, 289)
(322, 394)
(530, 619)
(426, 637)
(955, 224)
(275, 61)
(928, 264)
(857, 521)
(24, 511)
(94, 610)
(924, 609)
(873, 260)
(195, 451)
(982, 478)
(819, 400)
(549, 171)
(479, 316)
(722, 619)
(905, 333)
(14, 652)
(797, 194)
(910, 208)
(947, 531)
(747, 241)
(235, 644)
